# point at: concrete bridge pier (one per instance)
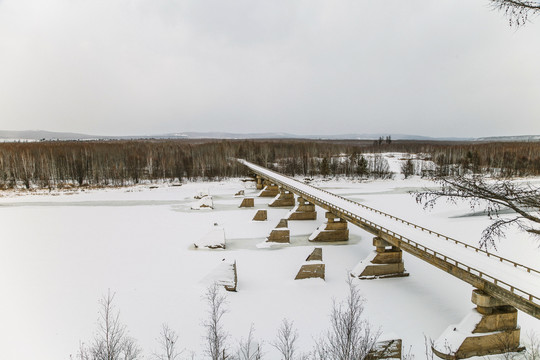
(284, 198)
(385, 261)
(490, 328)
(334, 229)
(304, 210)
(259, 180)
(269, 189)
(280, 234)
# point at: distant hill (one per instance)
(520, 138)
(36, 135)
(280, 135)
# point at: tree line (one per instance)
(121, 162)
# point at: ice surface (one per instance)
(61, 253)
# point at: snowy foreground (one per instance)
(61, 253)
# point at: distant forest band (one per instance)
(53, 164)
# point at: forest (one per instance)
(57, 164)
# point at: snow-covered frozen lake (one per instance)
(61, 253)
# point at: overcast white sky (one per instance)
(133, 67)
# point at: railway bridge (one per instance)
(501, 286)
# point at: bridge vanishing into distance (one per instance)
(501, 285)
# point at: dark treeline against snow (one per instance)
(117, 163)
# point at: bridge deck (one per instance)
(507, 280)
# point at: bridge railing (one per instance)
(471, 270)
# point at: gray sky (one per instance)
(133, 67)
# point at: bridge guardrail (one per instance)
(471, 270)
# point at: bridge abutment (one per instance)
(334, 229)
(385, 261)
(304, 210)
(490, 328)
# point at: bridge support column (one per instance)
(269, 190)
(490, 328)
(247, 202)
(284, 198)
(385, 261)
(280, 234)
(259, 182)
(313, 267)
(334, 229)
(304, 210)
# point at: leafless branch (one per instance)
(493, 196)
(286, 340)
(216, 336)
(350, 337)
(517, 12)
(249, 349)
(111, 341)
(168, 342)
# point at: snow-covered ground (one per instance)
(61, 253)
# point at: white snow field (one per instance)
(61, 253)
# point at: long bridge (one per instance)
(501, 285)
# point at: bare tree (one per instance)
(379, 167)
(168, 344)
(286, 340)
(407, 168)
(320, 351)
(111, 341)
(249, 349)
(532, 349)
(350, 337)
(523, 199)
(84, 352)
(216, 336)
(428, 346)
(518, 12)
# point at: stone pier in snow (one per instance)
(280, 234)
(247, 202)
(334, 229)
(260, 181)
(490, 328)
(304, 210)
(283, 199)
(261, 215)
(313, 267)
(385, 261)
(270, 189)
